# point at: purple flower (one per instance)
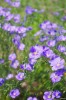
(57, 63)
(16, 40)
(55, 78)
(14, 93)
(49, 54)
(22, 30)
(29, 10)
(32, 61)
(15, 4)
(2, 80)
(51, 43)
(1, 61)
(35, 52)
(60, 72)
(27, 66)
(12, 56)
(9, 76)
(20, 76)
(61, 48)
(63, 18)
(44, 38)
(17, 18)
(32, 98)
(9, 17)
(56, 13)
(61, 38)
(43, 25)
(14, 64)
(48, 95)
(21, 46)
(56, 94)
(51, 95)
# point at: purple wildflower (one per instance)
(35, 52)
(14, 93)
(57, 63)
(29, 10)
(12, 56)
(2, 80)
(32, 98)
(21, 46)
(1, 61)
(9, 76)
(48, 95)
(20, 76)
(14, 64)
(51, 43)
(61, 48)
(56, 94)
(55, 78)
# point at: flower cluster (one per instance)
(50, 33)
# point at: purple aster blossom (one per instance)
(12, 56)
(60, 72)
(14, 93)
(51, 32)
(7, 1)
(35, 52)
(45, 48)
(9, 76)
(49, 54)
(22, 29)
(56, 13)
(43, 38)
(15, 4)
(61, 48)
(14, 64)
(1, 61)
(48, 95)
(43, 25)
(12, 28)
(16, 39)
(6, 26)
(32, 98)
(22, 66)
(29, 28)
(57, 63)
(21, 46)
(55, 78)
(63, 18)
(29, 10)
(20, 76)
(2, 80)
(56, 94)
(51, 43)
(27, 66)
(61, 38)
(17, 18)
(9, 17)
(32, 61)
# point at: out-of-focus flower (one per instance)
(55, 78)
(20, 76)
(2, 80)
(32, 98)
(14, 64)
(14, 93)
(12, 56)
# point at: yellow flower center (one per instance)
(35, 53)
(49, 96)
(65, 74)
